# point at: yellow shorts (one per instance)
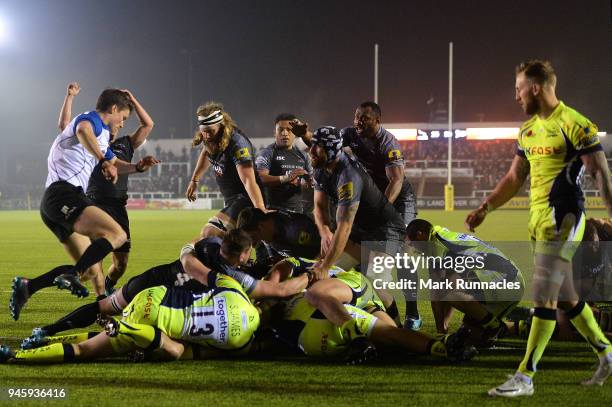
(364, 296)
(555, 231)
(320, 337)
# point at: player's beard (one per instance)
(532, 107)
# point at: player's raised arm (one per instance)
(504, 190)
(66, 112)
(146, 122)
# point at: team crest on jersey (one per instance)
(304, 238)
(242, 153)
(345, 192)
(395, 155)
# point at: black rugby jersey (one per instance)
(100, 189)
(279, 162)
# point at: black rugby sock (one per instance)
(81, 317)
(46, 280)
(97, 250)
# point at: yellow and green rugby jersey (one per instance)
(222, 318)
(553, 147)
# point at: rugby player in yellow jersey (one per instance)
(555, 146)
(342, 311)
(165, 320)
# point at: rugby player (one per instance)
(65, 208)
(284, 169)
(190, 271)
(381, 155)
(231, 155)
(279, 234)
(555, 145)
(162, 319)
(484, 308)
(306, 328)
(112, 198)
(363, 213)
(592, 276)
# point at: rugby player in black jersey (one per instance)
(230, 153)
(381, 155)
(363, 214)
(284, 169)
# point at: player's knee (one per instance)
(117, 237)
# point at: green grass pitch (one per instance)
(27, 248)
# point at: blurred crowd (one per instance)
(490, 159)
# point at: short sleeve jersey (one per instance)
(296, 234)
(447, 243)
(376, 155)
(350, 183)
(69, 160)
(239, 151)
(553, 147)
(278, 162)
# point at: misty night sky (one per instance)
(313, 58)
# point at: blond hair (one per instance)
(227, 126)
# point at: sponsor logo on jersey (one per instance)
(148, 304)
(395, 155)
(543, 150)
(218, 170)
(345, 192)
(304, 238)
(280, 158)
(222, 318)
(242, 153)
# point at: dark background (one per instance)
(313, 58)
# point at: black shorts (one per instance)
(169, 275)
(389, 240)
(235, 204)
(118, 212)
(406, 207)
(61, 205)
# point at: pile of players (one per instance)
(307, 290)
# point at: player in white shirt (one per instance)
(65, 209)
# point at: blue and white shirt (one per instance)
(69, 160)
